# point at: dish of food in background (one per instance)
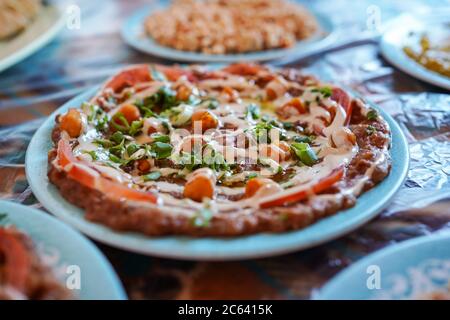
(233, 26)
(433, 54)
(25, 27)
(415, 269)
(420, 46)
(15, 16)
(40, 254)
(256, 31)
(195, 248)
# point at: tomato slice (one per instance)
(243, 69)
(64, 152)
(94, 180)
(119, 192)
(341, 97)
(174, 73)
(17, 262)
(321, 185)
(129, 77)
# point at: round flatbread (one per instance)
(240, 150)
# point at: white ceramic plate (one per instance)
(404, 31)
(213, 248)
(134, 34)
(63, 247)
(43, 29)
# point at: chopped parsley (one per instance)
(152, 176)
(161, 150)
(304, 153)
(92, 153)
(135, 127)
(202, 217)
(96, 116)
(370, 130)
(117, 137)
(132, 148)
(212, 104)
(252, 175)
(263, 131)
(120, 123)
(253, 111)
(160, 137)
(325, 91)
(304, 139)
(372, 114)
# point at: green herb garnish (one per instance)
(325, 91)
(252, 175)
(152, 176)
(135, 127)
(253, 111)
(92, 153)
(372, 114)
(202, 218)
(117, 137)
(157, 137)
(370, 130)
(304, 139)
(120, 123)
(304, 153)
(161, 150)
(132, 148)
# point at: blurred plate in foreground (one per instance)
(60, 246)
(414, 269)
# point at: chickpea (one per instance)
(230, 93)
(200, 185)
(261, 186)
(343, 137)
(183, 93)
(207, 119)
(143, 165)
(130, 112)
(276, 88)
(71, 123)
(278, 152)
(294, 107)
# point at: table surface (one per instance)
(78, 59)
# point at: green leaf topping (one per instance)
(202, 218)
(372, 114)
(152, 176)
(325, 91)
(304, 153)
(370, 130)
(161, 150)
(253, 111)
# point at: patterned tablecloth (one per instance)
(80, 58)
